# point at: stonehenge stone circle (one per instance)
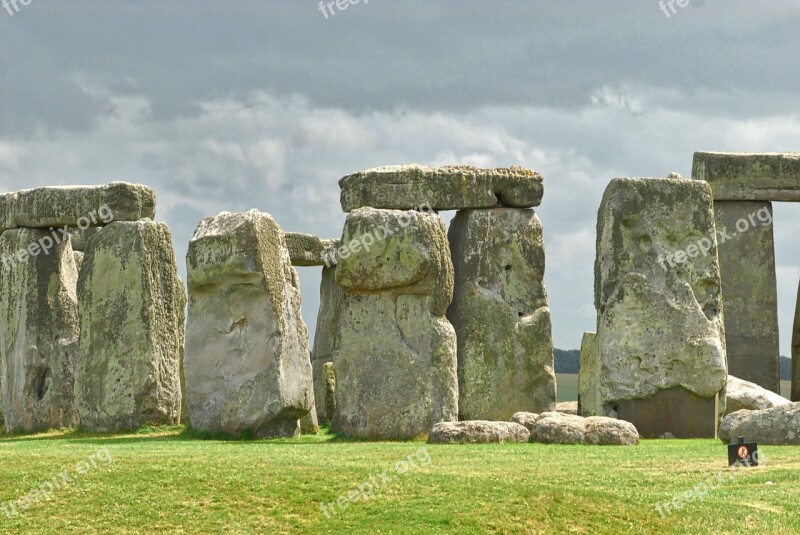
(408, 187)
(395, 352)
(744, 395)
(39, 333)
(330, 306)
(131, 304)
(660, 336)
(247, 363)
(779, 426)
(478, 432)
(500, 314)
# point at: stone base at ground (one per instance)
(676, 411)
(779, 426)
(478, 432)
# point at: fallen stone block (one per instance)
(478, 432)
(412, 187)
(744, 395)
(778, 426)
(559, 428)
(132, 305)
(525, 418)
(247, 364)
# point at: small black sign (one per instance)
(743, 454)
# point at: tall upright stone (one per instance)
(247, 360)
(589, 377)
(749, 290)
(39, 332)
(330, 307)
(796, 352)
(500, 314)
(132, 329)
(660, 334)
(395, 352)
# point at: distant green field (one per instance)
(568, 387)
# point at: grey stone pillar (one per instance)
(796, 352)
(749, 293)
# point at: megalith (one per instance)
(247, 364)
(500, 314)
(330, 307)
(394, 352)
(796, 352)
(131, 304)
(660, 335)
(39, 332)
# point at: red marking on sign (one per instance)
(743, 452)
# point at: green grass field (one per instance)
(168, 481)
(568, 387)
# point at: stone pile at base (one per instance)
(98, 346)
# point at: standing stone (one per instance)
(409, 187)
(330, 307)
(589, 377)
(247, 358)
(500, 314)
(796, 352)
(395, 352)
(660, 335)
(132, 329)
(39, 333)
(330, 392)
(749, 291)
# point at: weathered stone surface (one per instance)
(247, 359)
(478, 432)
(500, 314)
(309, 250)
(395, 352)
(796, 352)
(38, 333)
(559, 428)
(779, 426)
(589, 403)
(78, 256)
(408, 187)
(676, 411)
(309, 424)
(749, 291)
(7, 204)
(330, 391)
(657, 292)
(744, 395)
(81, 237)
(525, 418)
(748, 176)
(132, 329)
(331, 300)
(84, 206)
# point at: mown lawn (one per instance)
(168, 481)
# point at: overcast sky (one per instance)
(232, 105)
